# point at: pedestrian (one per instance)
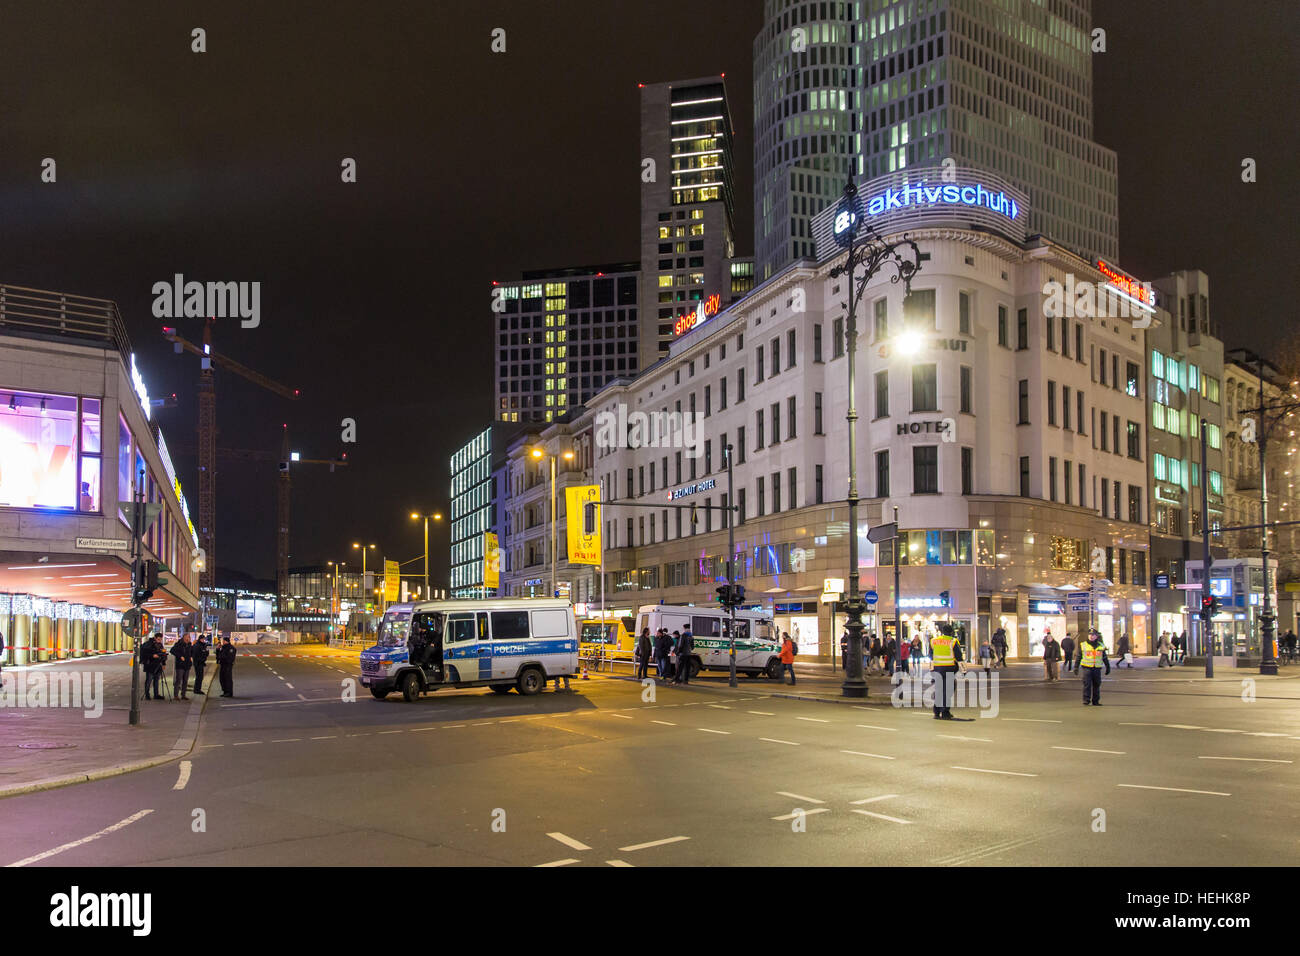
(946, 655)
(1000, 646)
(844, 650)
(1051, 657)
(1290, 644)
(918, 651)
(891, 655)
(1090, 660)
(663, 652)
(1182, 646)
(875, 662)
(226, 667)
(685, 645)
(1164, 650)
(153, 659)
(986, 654)
(787, 658)
(1067, 651)
(643, 649)
(200, 655)
(1122, 651)
(183, 651)
(904, 658)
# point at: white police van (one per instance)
(758, 650)
(499, 643)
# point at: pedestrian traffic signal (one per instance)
(943, 599)
(731, 595)
(146, 582)
(1210, 605)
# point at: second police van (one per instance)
(758, 651)
(499, 643)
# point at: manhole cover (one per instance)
(44, 745)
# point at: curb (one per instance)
(184, 744)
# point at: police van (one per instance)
(500, 643)
(758, 651)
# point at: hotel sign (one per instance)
(707, 484)
(706, 309)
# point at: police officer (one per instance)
(199, 653)
(945, 654)
(153, 658)
(1090, 659)
(226, 667)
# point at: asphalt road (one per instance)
(1180, 773)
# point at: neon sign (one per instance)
(1127, 284)
(706, 309)
(948, 193)
(142, 393)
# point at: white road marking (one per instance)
(859, 753)
(816, 720)
(416, 730)
(955, 737)
(624, 716)
(286, 740)
(1007, 773)
(184, 777)
(1032, 720)
(1089, 750)
(773, 740)
(874, 727)
(1138, 786)
(807, 813)
(382, 732)
(618, 863)
(327, 737)
(454, 726)
(666, 723)
(288, 685)
(568, 841)
(1247, 759)
(557, 863)
(796, 796)
(880, 816)
(246, 743)
(76, 843)
(883, 796)
(763, 713)
(707, 731)
(301, 697)
(646, 846)
(720, 706)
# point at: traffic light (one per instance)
(146, 583)
(724, 595)
(1210, 605)
(943, 599)
(730, 595)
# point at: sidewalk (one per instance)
(50, 735)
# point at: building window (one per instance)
(1051, 479)
(1022, 329)
(837, 332)
(817, 413)
(1051, 402)
(817, 483)
(1065, 336)
(963, 313)
(758, 430)
(740, 445)
(1135, 504)
(882, 474)
(882, 394)
(925, 388)
(1132, 380)
(965, 389)
(967, 469)
(1051, 334)
(1023, 410)
(817, 342)
(776, 492)
(722, 394)
(1118, 491)
(1105, 497)
(792, 487)
(918, 310)
(1024, 476)
(776, 422)
(1002, 325)
(1083, 484)
(925, 470)
(758, 363)
(776, 357)
(1078, 401)
(882, 319)
(740, 384)
(1065, 406)
(1067, 472)
(1135, 441)
(791, 418)
(790, 349)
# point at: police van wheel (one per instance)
(378, 694)
(501, 688)
(531, 681)
(774, 669)
(694, 667)
(410, 687)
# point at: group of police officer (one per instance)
(946, 655)
(153, 661)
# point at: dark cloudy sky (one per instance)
(472, 166)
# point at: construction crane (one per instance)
(207, 435)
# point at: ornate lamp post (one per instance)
(868, 253)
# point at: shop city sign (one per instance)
(706, 309)
(951, 194)
(142, 393)
(708, 484)
(1125, 284)
(926, 602)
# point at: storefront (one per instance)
(1046, 616)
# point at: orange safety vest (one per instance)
(941, 650)
(1092, 654)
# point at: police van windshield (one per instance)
(394, 628)
(763, 630)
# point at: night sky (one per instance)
(472, 166)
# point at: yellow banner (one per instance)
(491, 561)
(392, 581)
(583, 548)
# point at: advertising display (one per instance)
(583, 548)
(491, 560)
(38, 451)
(252, 612)
(392, 581)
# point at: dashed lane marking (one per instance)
(1032, 720)
(859, 753)
(568, 841)
(763, 713)
(881, 816)
(76, 843)
(246, 743)
(645, 846)
(618, 863)
(327, 737)
(623, 716)
(806, 813)
(1248, 759)
(184, 776)
(720, 706)
(666, 723)
(958, 737)
(288, 685)
(798, 796)
(557, 863)
(773, 740)
(287, 740)
(382, 732)
(874, 727)
(815, 720)
(707, 731)
(1089, 750)
(1005, 773)
(1139, 786)
(883, 796)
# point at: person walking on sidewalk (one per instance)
(153, 659)
(200, 655)
(643, 648)
(1000, 647)
(986, 654)
(1164, 649)
(1067, 651)
(1122, 650)
(183, 651)
(787, 658)
(226, 667)
(1090, 660)
(1051, 657)
(684, 648)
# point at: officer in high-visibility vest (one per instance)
(1090, 659)
(945, 654)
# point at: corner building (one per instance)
(1010, 442)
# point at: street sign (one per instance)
(833, 586)
(150, 513)
(871, 597)
(882, 532)
(832, 597)
(1162, 580)
(1078, 601)
(137, 622)
(103, 544)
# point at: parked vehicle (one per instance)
(757, 649)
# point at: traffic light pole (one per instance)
(1207, 599)
(137, 557)
(731, 563)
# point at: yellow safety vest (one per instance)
(1092, 654)
(941, 650)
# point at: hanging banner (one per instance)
(583, 548)
(491, 561)
(392, 581)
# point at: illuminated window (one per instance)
(665, 281)
(697, 229)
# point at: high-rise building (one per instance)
(688, 209)
(882, 86)
(561, 334)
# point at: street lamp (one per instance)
(436, 516)
(538, 453)
(356, 546)
(868, 250)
